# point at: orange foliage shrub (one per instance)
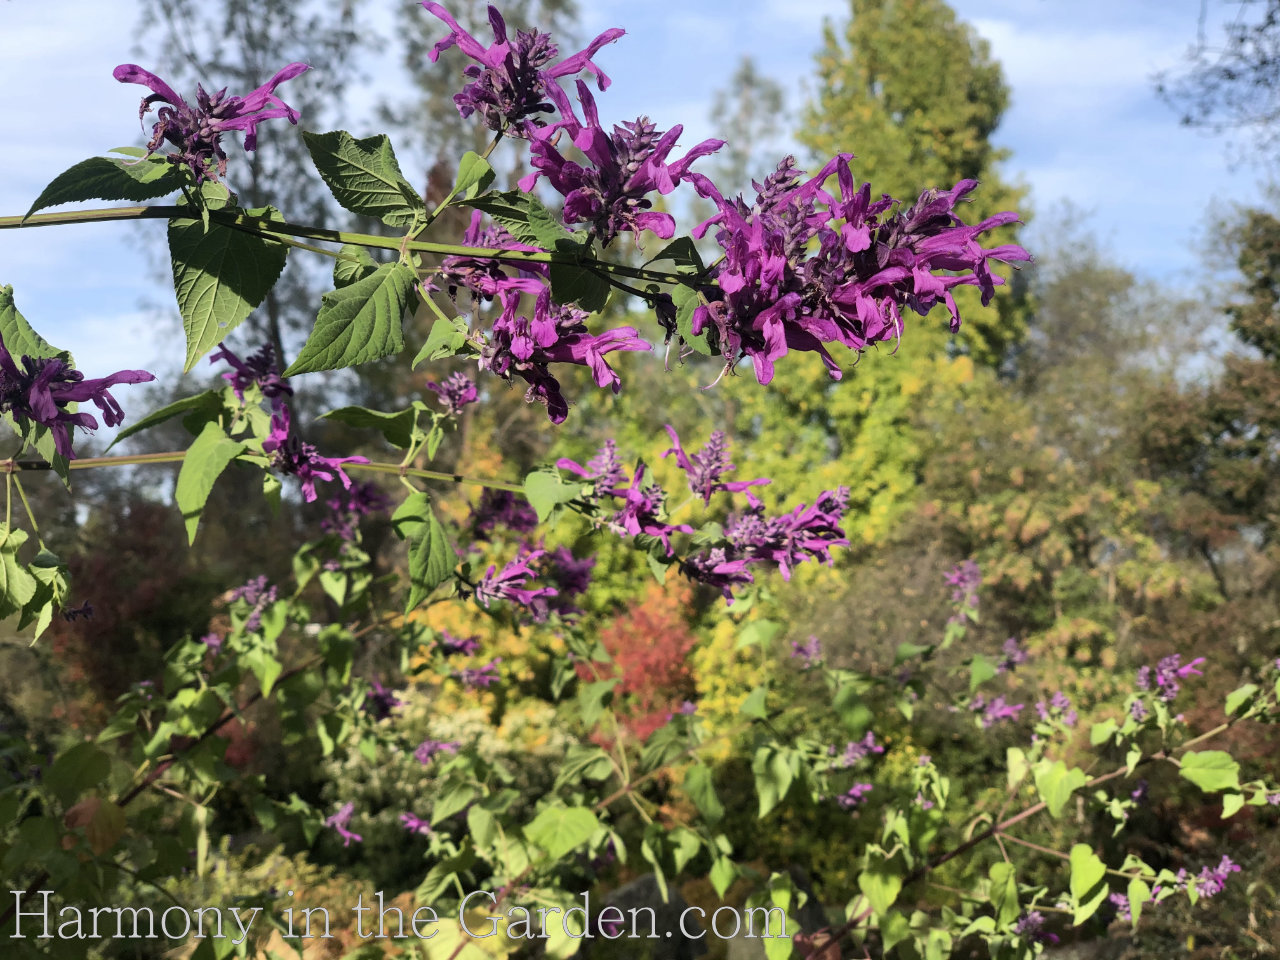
(650, 645)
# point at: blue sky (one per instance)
(1084, 126)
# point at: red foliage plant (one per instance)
(650, 645)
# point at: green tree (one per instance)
(914, 93)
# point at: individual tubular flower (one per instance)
(809, 651)
(486, 277)
(428, 750)
(448, 645)
(512, 79)
(40, 389)
(259, 368)
(1013, 655)
(524, 347)
(456, 392)
(341, 820)
(508, 584)
(415, 824)
(803, 270)
(197, 131)
(994, 711)
(856, 751)
(854, 797)
(289, 454)
(706, 467)
(480, 678)
(628, 165)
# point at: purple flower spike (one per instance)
(511, 80)
(809, 651)
(708, 465)
(379, 702)
(456, 392)
(40, 390)
(508, 585)
(197, 131)
(415, 824)
(450, 646)
(259, 368)
(525, 347)
(340, 822)
(1013, 656)
(627, 166)
(854, 796)
(480, 678)
(289, 454)
(802, 270)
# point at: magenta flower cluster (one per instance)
(752, 535)
(1162, 679)
(41, 389)
(196, 131)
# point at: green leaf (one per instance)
(21, 340)
(1056, 783)
(1231, 804)
(219, 276)
(757, 632)
(1019, 767)
(1239, 697)
(1211, 770)
(546, 490)
(482, 826)
(526, 219)
(571, 283)
(360, 322)
(1087, 870)
(206, 458)
(440, 877)
(431, 557)
(1102, 732)
(980, 671)
(17, 586)
(683, 252)
(365, 177)
(106, 178)
(265, 667)
(209, 403)
(397, 427)
(723, 872)
(559, 830)
(355, 264)
(447, 338)
(453, 801)
(76, 770)
(1004, 892)
(687, 300)
(773, 777)
(475, 175)
(1139, 893)
(754, 705)
(881, 886)
(700, 786)
(894, 928)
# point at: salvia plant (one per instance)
(810, 262)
